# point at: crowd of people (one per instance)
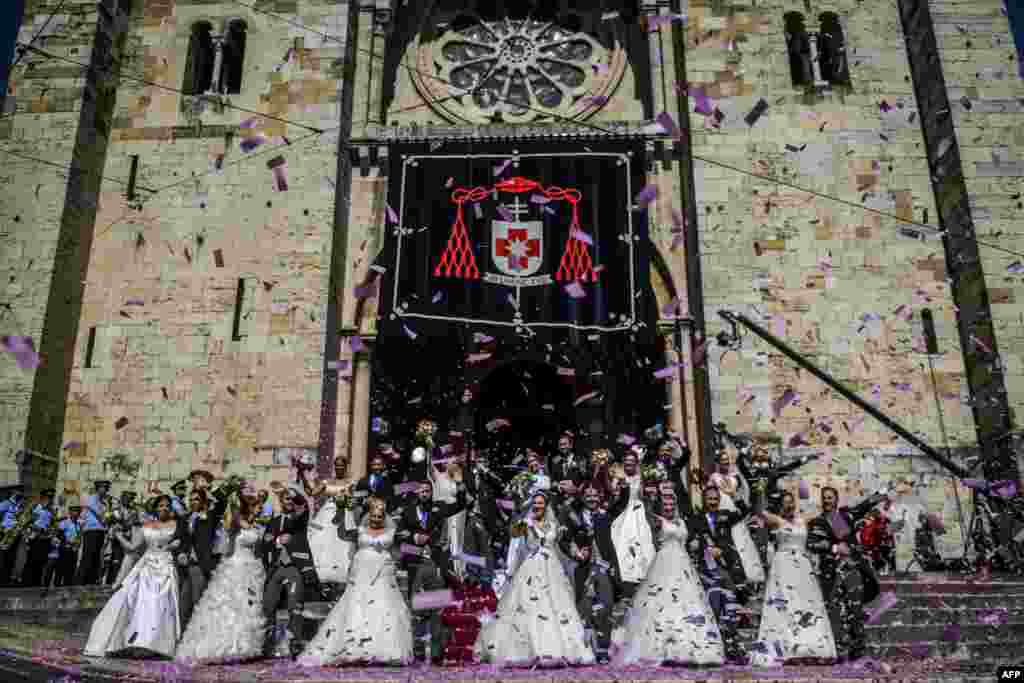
(621, 555)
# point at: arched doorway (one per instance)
(532, 397)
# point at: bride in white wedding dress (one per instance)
(142, 617)
(371, 623)
(670, 620)
(228, 624)
(793, 615)
(537, 622)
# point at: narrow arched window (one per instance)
(200, 60)
(798, 44)
(233, 58)
(832, 50)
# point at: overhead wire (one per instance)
(934, 230)
(21, 52)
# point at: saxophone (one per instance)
(8, 537)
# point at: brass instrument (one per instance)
(8, 537)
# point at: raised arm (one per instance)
(858, 511)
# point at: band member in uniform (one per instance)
(179, 494)
(39, 537)
(124, 515)
(71, 541)
(13, 516)
(96, 517)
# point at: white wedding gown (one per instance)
(537, 621)
(371, 623)
(671, 620)
(632, 537)
(794, 612)
(741, 538)
(228, 624)
(142, 616)
(332, 556)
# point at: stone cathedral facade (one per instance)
(196, 194)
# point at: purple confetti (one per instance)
(702, 102)
(498, 170)
(249, 144)
(505, 214)
(448, 183)
(392, 216)
(951, 633)
(409, 333)
(135, 302)
(596, 100)
(575, 290)
(788, 396)
(672, 308)
(976, 484)
(505, 504)
(1017, 268)
(433, 600)
(669, 124)
(885, 602)
(24, 351)
(578, 234)
(280, 180)
(804, 490)
(249, 123)
(884, 106)
(550, 210)
(539, 199)
(647, 195)
(356, 343)
(437, 298)
(406, 487)
(71, 445)
(366, 291)
(1004, 489)
(667, 372)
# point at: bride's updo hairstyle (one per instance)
(376, 512)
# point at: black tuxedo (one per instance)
(600, 529)
(290, 570)
(703, 535)
(482, 488)
(432, 525)
(203, 533)
(847, 584)
(821, 537)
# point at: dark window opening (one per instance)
(798, 44)
(233, 58)
(200, 60)
(125, 7)
(239, 298)
(90, 346)
(832, 50)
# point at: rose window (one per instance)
(519, 70)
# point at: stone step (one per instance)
(978, 652)
(935, 633)
(924, 616)
(71, 598)
(926, 584)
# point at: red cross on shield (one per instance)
(516, 247)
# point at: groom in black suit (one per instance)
(847, 579)
(588, 541)
(422, 525)
(285, 547)
(718, 563)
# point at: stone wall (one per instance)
(174, 381)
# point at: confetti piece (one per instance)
(885, 602)
(437, 298)
(498, 170)
(71, 445)
(788, 396)
(412, 551)
(472, 559)
(406, 487)
(409, 333)
(647, 195)
(448, 183)
(550, 210)
(280, 180)
(669, 124)
(433, 600)
(1017, 268)
(585, 397)
(366, 291)
(884, 106)
(392, 216)
(575, 290)
(24, 351)
(121, 422)
(701, 101)
(475, 358)
(497, 423)
(249, 123)
(356, 344)
(566, 372)
(505, 214)
(759, 109)
(1004, 489)
(539, 199)
(578, 234)
(505, 504)
(666, 372)
(251, 143)
(804, 490)
(596, 100)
